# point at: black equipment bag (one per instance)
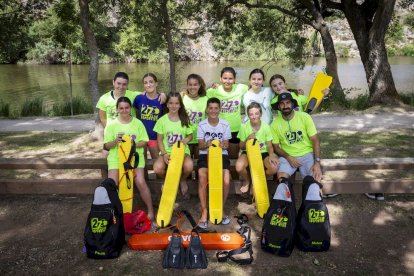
(313, 231)
(104, 234)
(279, 224)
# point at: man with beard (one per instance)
(295, 140)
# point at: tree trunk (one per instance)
(369, 23)
(170, 44)
(92, 49)
(332, 64)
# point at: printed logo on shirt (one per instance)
(150, 113)
(195, 117)
(112, 112)
(213, 136)
(229, 106)
(173, 137)
(294, 136)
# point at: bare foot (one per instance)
(184, 188)
(245, 187)
(204, 215)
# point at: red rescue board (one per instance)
(210, 241)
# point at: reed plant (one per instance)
(4, 109)
(32, 107)
(80, 106)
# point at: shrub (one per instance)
(407, 99)
(80, 106)
(360, 102)
(408, 50)
(32, 107)
(4, 109)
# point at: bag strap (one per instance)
(194, 223)
(222, 256)
(132, 153)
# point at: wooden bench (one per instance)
(86, 185)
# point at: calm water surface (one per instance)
(51, 82)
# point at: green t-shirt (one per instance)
(172, 132)
(264, 134)
(107, 103)
(230, 103)
(293, 135)
(301, 99)
(135, 128)
(196, 110)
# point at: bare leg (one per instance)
(226, 187)
(241, 167)
(187, 170)
(114, 174)
(270, 169)
(144, 191)
(202, 192)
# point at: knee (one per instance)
(240, 166)
(188, 166)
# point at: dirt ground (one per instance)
(43, 235)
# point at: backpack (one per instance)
(104, 234)
(313, 230)
(280, 221)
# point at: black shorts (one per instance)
(203, 162)
(234, 139)
(264, 154)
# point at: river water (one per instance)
(51, 82)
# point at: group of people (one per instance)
(287, 136)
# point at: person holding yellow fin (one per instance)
(125, 124)
(255, 128)
(212, 128)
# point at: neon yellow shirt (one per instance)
(230, 103)
(135, 128)
(264, 134)
(107, 103)
(196, 110)
(172, 132)
(293, 135)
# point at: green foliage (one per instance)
(32, 107)
(407, 98)
(360, 102)
(4, 109)
(409, 20)
(395, 31)
(80, 106)
(407, 50)
(342, 50)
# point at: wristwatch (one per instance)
(317, 159)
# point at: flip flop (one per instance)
(225, 220)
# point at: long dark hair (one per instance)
(182, 114)
(276, 76)
(202, 89)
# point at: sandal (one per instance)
(225, 220)
(202, 224)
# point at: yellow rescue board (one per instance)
(215, 182)
(258, 176)
(172, 181)
(321, 82)
(126, 178)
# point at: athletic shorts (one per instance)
(203, 162)
(152, 144)
(234, 139)
(306, 168)
(114, 164)
(264, 154)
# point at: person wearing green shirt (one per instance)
(230, 95)
(125, 124)
(195, 102)
(173, 127)
(295, 140)
(255, 128)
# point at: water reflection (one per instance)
(51, 82)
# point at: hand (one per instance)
(252, 136)
(214, 85)
(294, 162)
(317, 172)
(326, 91)
(301, 92)
(118, 140)
(274, 160)
(166, 158)
(162, 98)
